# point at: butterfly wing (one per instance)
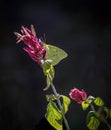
(55, 54)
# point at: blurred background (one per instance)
(80, 27)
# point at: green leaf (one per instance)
(54, 53)
(108, 112)
(48, 70)
(90, 113)
(66, 102)
(93, 123)
(47, 67)
(53, 116)
(50, 97)
(85, 105)
(98, 101)
(100, 117)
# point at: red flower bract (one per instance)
(77, 95)
(34, 47)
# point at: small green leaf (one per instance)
(93, 123)
(53, 116)
(106, 110)
(50, 97)
(54, 53)
(110, 113)
(98, 101)
(85, 105)
(99, 116)
(47, 67)
(66, 102)
(48, 70)
(89, 115)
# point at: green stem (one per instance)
(104, 121)
(92, 107)
(59, 104)
(48, 71)
(107, 124)
(100, 110)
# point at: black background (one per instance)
(82, 28)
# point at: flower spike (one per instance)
(35, 47)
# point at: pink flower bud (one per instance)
(77, 95)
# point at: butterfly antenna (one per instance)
(44, 38)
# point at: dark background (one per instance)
(82, 28)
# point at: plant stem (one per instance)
(100, 110)
(60, 106)
(105, 121)
(107, 124)
(59, 103)
(92, 107)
